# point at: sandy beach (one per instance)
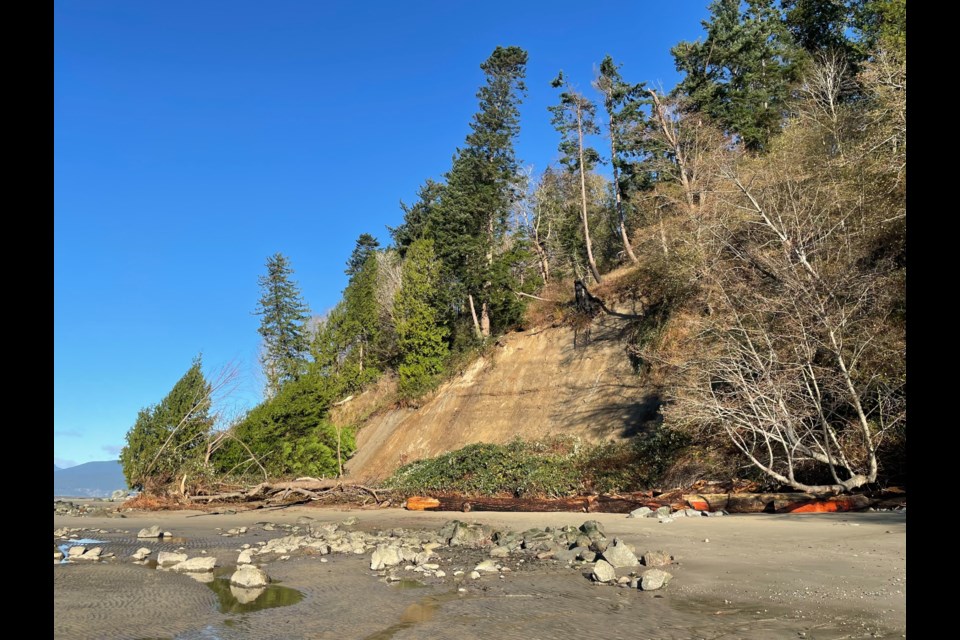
(814, 576)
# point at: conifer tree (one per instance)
(283, 316)
(366, 245)
(169, 435)
(470, 224)
(420, 338)
(740, 75)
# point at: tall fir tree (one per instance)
(470, 223)
(283, 317)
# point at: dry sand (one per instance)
(813, 576)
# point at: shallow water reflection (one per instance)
(239, 600)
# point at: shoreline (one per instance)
(827, 576)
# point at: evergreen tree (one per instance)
(420, 338)
(820, 26)
(290, 434)
(575, 118)
(361, 320)
(741, 74)
(416, 217)
(282, 325)
(166, 438)
(470, 223)
(366, 245)
(622, 102)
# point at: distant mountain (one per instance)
(89, 480)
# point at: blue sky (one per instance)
(194, 139)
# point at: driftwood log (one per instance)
(301, 490)
(729, 502)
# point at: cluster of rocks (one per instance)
(67, 508)
(666, 514)
(457, 551)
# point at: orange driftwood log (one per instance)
(420, 503)
(830, 505)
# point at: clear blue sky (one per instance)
(194, 139)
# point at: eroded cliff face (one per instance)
(534, 384)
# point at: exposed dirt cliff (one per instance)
(533, 384)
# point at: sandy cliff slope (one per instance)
(534, 384)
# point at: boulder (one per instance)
(619, 555)
(150, 532)
(169, 558)
(198, 564)
(603, 571)
(657, 558)
(654, 579)
(249, 577)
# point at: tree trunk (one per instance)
(617, 196)
(473, 312)
(583, 199)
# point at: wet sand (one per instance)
(813, 576)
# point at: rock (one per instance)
(657, 558)
(91, 554)
(642, 512)
(76, 551)
(599, 544)
(474, 575)
(663, 511)
(196, 565)
(169, 558)
(57, 555)
(715, 514)
(487, 566)
(141, 553)
(499, 552)
(245, 557)
(619, 555)
(585, 554)
(439, 573)
(385, 556)
(566, 555)
(117, 495)
(591, 527)
(470, 535)
(150, 532)
(349, 522)
(249, 577)
(654, 579)
(603, 571)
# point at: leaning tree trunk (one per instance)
(618, 198)
(583, 200)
